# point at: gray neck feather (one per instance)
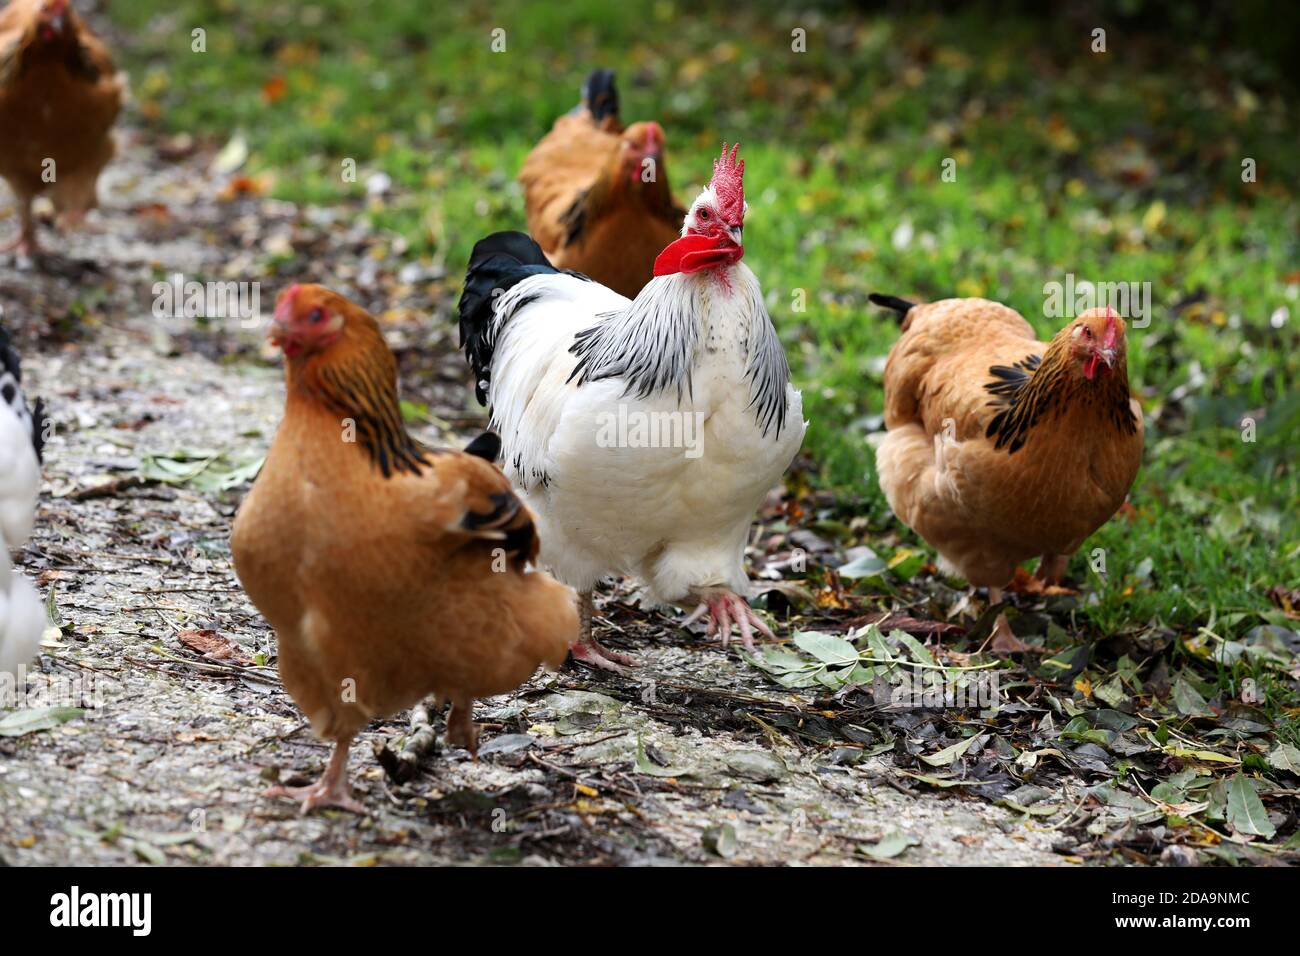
(653, 343)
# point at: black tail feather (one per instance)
(901, 306)
(600, 94)
(11, 365)
(497, 263)
(40, 425)
(487, 446)
(508, 522)
(9, 361)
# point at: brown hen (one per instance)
(597, 195)
(1000, 447)
(389, 571)
(59, 97)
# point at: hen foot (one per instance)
(1052, 568)
(331, 790)
(461, 729)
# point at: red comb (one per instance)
(729, 184)
(284, 308)
(1112, 329)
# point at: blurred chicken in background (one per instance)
(597, 195)
(59, 97)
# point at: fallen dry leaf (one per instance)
(1288, 599)
(273, 90)
(241, 186)
(155, 211)
(1026, 583)
(214, 647)
(893, 621)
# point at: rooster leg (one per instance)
(461, 729)
(1052, 567)
(26, 244)
(726, 608)
(587, 649)
(331, 790)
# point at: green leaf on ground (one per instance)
(1246, 813)
(22, 722)
(891, 845)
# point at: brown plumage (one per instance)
(59, 97)
(1001, 447)
(588, 203)
(389, 571)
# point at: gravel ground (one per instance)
(678, 764)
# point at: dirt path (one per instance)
(169, 761)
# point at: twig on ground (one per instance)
(109, 489)
(422, 741)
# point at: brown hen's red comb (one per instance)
(1111, 332)
(284, 307)
(729, 184)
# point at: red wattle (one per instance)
(693, 253)
(1090, 367)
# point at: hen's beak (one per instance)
(737, 234)
(1107, 356)
(278, 332)
(283, 338)
(55, 23)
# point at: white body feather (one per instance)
(677, 517)
(22, 618)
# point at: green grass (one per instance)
(1124, 166)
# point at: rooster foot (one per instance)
(725, 609)
(594, 654)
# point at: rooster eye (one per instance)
(315, 316)
(702, 212)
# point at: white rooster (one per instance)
(643, 433)
(22, 618)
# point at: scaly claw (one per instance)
(725, 609)
(331, 790)
(319, 794)
(592, 652)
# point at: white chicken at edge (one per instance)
(583, 383)
(22, 617)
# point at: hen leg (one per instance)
(726, 608)
(25, 244)
(587, 649)
(331, 790)
(1052, 567)
(461, 729)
